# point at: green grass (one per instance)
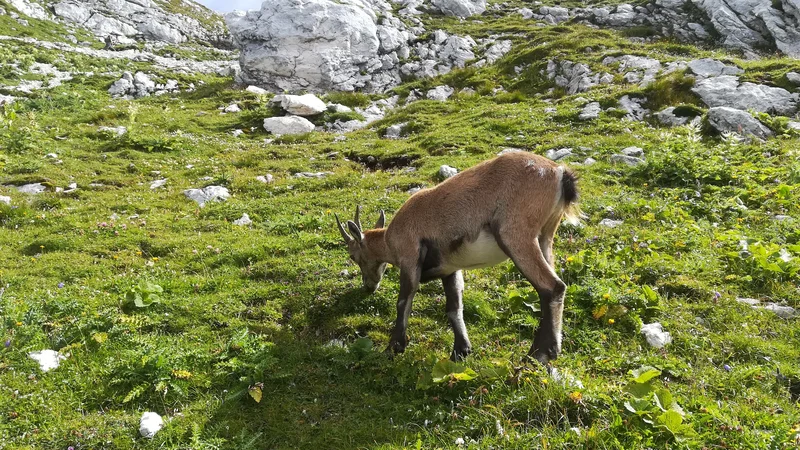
(268, 307)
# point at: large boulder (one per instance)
(460, 8)
(726, 90)
(288, 125)
(314, 45)
(724, 119)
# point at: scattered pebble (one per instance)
(47, 359)
(655, 335)
(158, 183)
(242, 221)
(207, 194)
(266, 179)
(5, 199)
(150, 424)
(610, 223)
(312, 174)
(446, 171)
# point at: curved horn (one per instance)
(358, 219)
(381, 220)
(345, 236)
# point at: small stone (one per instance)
(242, 221)
(237, 132)
(655, 335)
(782, 311)
(256, 90)
(158, 183)
(266, 179)
(590, 112)
(312, 174)
(5, 199)
(610, 223)
(394, 131)
(119, 131)
(793, 78)
(633, 151)
(150, 424)
(589, 161)
(288, 125)
(47, 359)
(629, 160)
(440, 93)
(558, 154)
(207, 194)
(32, 188)
(446, 171)
(233, 108)
(51, 156)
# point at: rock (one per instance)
(558, 154)
(510, 150)
(233, 108)
(138, 85)
(633, 108)
(5, 199)
(336, 107)
(266, 179)
(256, 90)
(456, 51)
(47, 359)
(236, 132)
(636, 152)
(793, 78)
(394, 131)
(629, 160)
(446, 171)
(460, 8)
(589, 161)
(667, 116)
(526, 13)
(655, 335)
(497, 51)
(590, 112)
(158, 183)
(724, 120)
(637, 69)
(242, 221)
(312, 45)
(288, 125)
(32, 188)
(440, 93)
(301, 105)
(150, 424)
(119, 131)
(207, 194)
(573, 77)
(725, 90)
(30, 9)
(610, 223)
(708, 67)
(312, 174)
(782, 311)
(749, 301)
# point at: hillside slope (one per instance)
(242, 322)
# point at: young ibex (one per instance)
(507, 207)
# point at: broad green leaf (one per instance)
(638, 406)
(663, 399)
(446, 369)
(645, 374)
(100, 337)
(424, 381)
(639, 390)
(671, 420)
(649, 293)
(361, 347)
(255, 392)
(499, 369)
(466, 375)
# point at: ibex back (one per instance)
(507, 207)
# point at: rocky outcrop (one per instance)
(460, 8)
(574, 77)
(725, 90)
(747, 25)
(126, 20)
(726, 120)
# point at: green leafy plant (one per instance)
(655, 408)
(144, 294)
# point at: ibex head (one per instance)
(358, 245)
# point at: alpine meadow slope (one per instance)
(171, 275)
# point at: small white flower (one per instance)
(459, 441)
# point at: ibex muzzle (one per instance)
(507, 207)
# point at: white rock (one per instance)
(446, 171)
(47, 359)
(237, 132)
(655, 335)
(610, 223)
(301, 105)
(288, 125)
(625, 159)
(724, 119)
(208, 194)
(782, 311)
(633, 107)
(244, 220)
(725, 90)
(5, 199)
(312, 174)
(150, 424)
(394, 131)
(440, 93)
(590, 112)
(339, 108)
(32, 188)
(119, 131)
(256, 90)
(233, 108)
(158, 183)
(633, 151)
(558, 154)
(793, 78)
(708, 67)
(460, 8)
(266, 179)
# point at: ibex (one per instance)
(507, 207)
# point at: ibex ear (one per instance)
(355, 231)
(381, 220)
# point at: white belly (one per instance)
(483, 252)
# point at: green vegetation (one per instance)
(260, 336)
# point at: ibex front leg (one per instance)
(453, 290)
(409, 283)
(529, 259)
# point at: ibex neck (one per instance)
(375, 240)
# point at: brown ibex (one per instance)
(507, 207)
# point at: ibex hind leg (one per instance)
(527, 255)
